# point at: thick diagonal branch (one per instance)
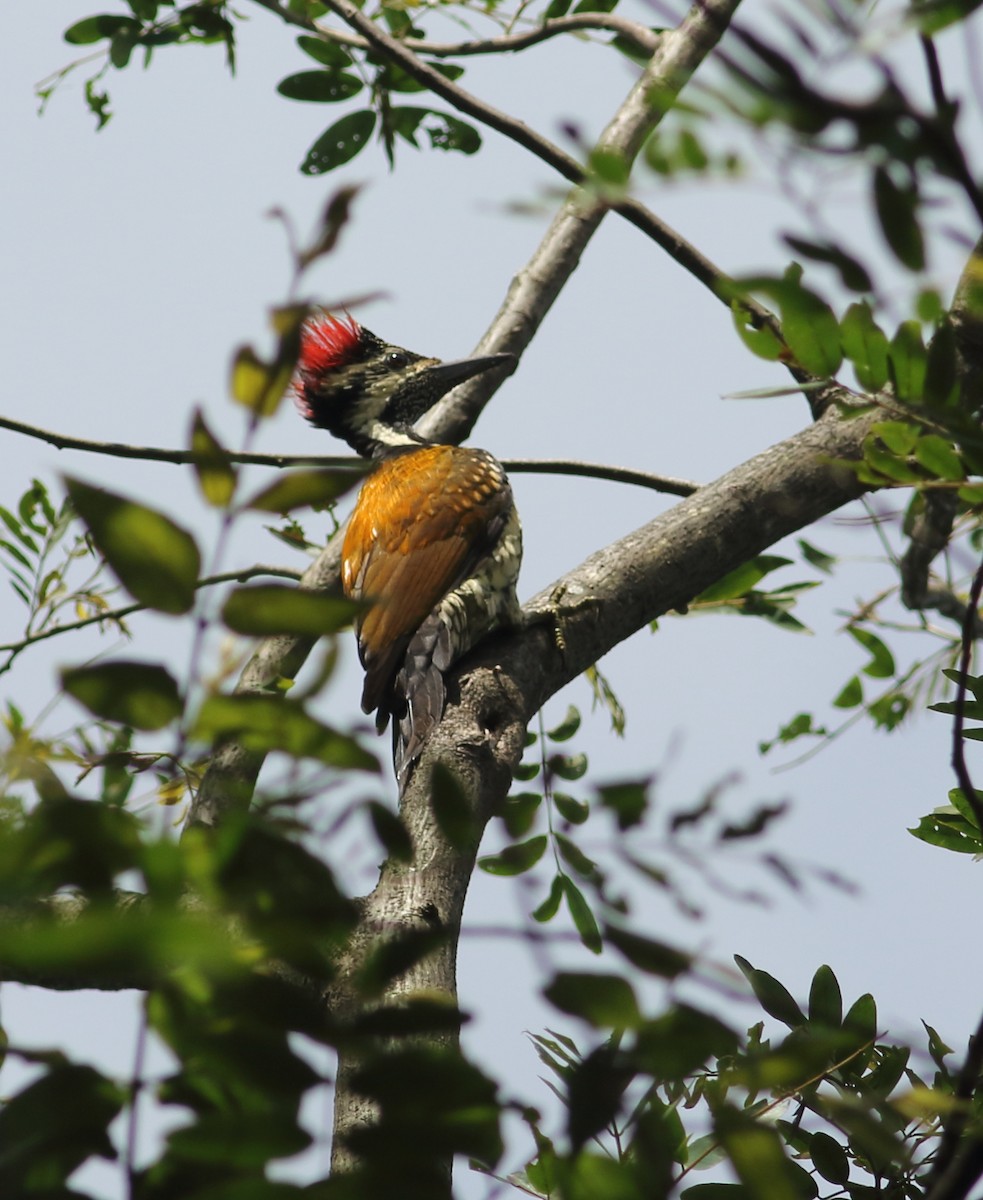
(232, 774)
(613, 594)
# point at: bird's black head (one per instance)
(367, 391)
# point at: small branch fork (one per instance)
(657, 82)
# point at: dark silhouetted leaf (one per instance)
(391, 832)
(897, 211)
(339, 143)
(773, 996)
(264, 723)
(216, 475)
(656, 958)
(825, 999)
(604, 1001)
(452, 808)
(156, 560)
(328, 54)
(94, 29)
(829, 1158)
(320, 87)
(583, 918)
(865, 345)
(269, 608)
(304, 489)
(134, 693)
(515, 859)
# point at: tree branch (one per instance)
(231, 775)
(678, 53)
(357, 466)
(120, 614)
(932, 527)
(639, 35)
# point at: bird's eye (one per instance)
(397, 358)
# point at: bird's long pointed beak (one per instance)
(450, 374)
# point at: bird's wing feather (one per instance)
(406, 549)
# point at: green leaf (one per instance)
(270, 608)
(900, 437)
(881, 665)
(679, 1042)
(328, 54)
(263, 723)
(604, 1001)
(865, 345)
(568, 766)
(215, 473)
(941, 370)
(949, 831)
(938, 455)
(861, 1023)
(811, 331)
(156, 560)
(935, 15)
(519, 812)
(320, 87)
(450, 133)
(817, 558)
(773, 996)
(394, 955)
(908, 362)
(829, 1158)
(583, 918)
(760, 341)
(655, 958)
(628, 801)
(851, 694)
(94, 29)
(549, 907)
(756, 1154)
(452, 807)
(515, 859)
(238, 1139)
(742, 579)
(565, 730)
(391, 832)
(825, 999)
(53, 1126)
(572, 810)
(303, 489)
(852, 273)
(339, 143)
(575, 858)
(143, 695)
(897, 211)
(961, 804)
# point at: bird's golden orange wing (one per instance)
(422, 523)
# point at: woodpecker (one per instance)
(434, 543)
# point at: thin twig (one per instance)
(120, 614)
(954, 1123)
(942, 128)
(965, 661)
(676, 246)
(640, 35)
(357, 466)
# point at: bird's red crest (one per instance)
(327, 342)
